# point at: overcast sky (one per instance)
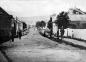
(27, 8)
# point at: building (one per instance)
(78, 18)
(5, 25)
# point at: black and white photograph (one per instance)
(42, 30)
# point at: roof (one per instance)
(76, 14)
(77, 17)
(2, 11)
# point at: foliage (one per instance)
(62, 20)
(49, 25)
(43, 23)
(24, 25)
(40, 24)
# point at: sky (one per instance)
(28, 8)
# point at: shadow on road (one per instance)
(66, 42)
(2, 50)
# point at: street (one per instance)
(35, 48)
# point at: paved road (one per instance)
(35, 48)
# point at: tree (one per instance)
(43, 23)
(50, 26)
(62, 22)
(38, 24)
(24, 25)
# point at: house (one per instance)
(78, 18)
(77, 28)
(5, 25)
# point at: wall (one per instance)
(76, 33)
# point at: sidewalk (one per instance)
(76, 42)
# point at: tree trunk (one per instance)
(50, 33)
(58, 34)
(62, 33)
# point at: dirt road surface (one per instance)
(35, 48)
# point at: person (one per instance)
(12, 34)
(62, 33)
(58, 34)
(20, 34)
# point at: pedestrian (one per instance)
(12, 34)
(20, 34)
(62, 33)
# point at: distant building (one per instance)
(78, 18)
